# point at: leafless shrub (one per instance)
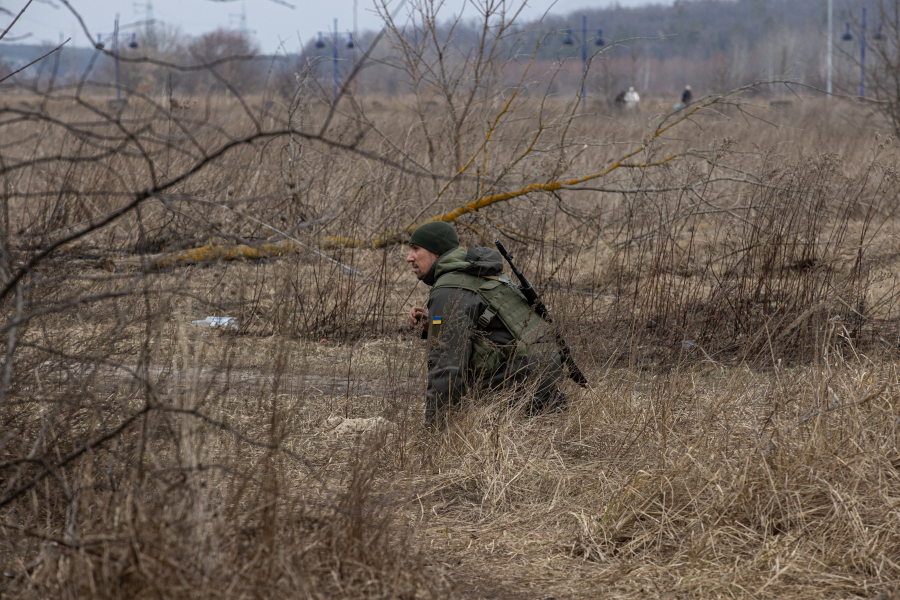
(735, 311)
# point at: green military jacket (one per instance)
(470, 345)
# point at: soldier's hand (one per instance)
(417, 315)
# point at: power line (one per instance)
(149, 21)
(245, 31)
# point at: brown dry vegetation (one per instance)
(729, 290)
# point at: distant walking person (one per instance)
(686, 95)
(632, 98)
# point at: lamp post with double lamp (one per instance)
(336, 38)
(848, 37)
(114, 37)
(598, 41)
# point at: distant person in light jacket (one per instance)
(632, 98)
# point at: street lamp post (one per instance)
(830, 35)
(334, 61)
(114, 38)
(862, 57)
(570, 42)
(848, 37)
(116, 50)
(335, 56)
(583, 60)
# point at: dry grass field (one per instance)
(729, 285)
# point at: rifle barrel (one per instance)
(534, 300)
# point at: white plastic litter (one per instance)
(229, 322)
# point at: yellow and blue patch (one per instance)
(434, 332)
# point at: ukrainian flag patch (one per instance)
(434, 332)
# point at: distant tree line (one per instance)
(713, 45)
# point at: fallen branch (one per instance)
(244, 252)
(550, 186)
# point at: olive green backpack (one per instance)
(534, 336)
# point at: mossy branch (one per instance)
(243, 252)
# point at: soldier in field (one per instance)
(482, 334)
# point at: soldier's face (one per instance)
(421, 260)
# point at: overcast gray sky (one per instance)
(272, 21)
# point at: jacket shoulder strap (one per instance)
(455, 279)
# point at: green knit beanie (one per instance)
(436, 236)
